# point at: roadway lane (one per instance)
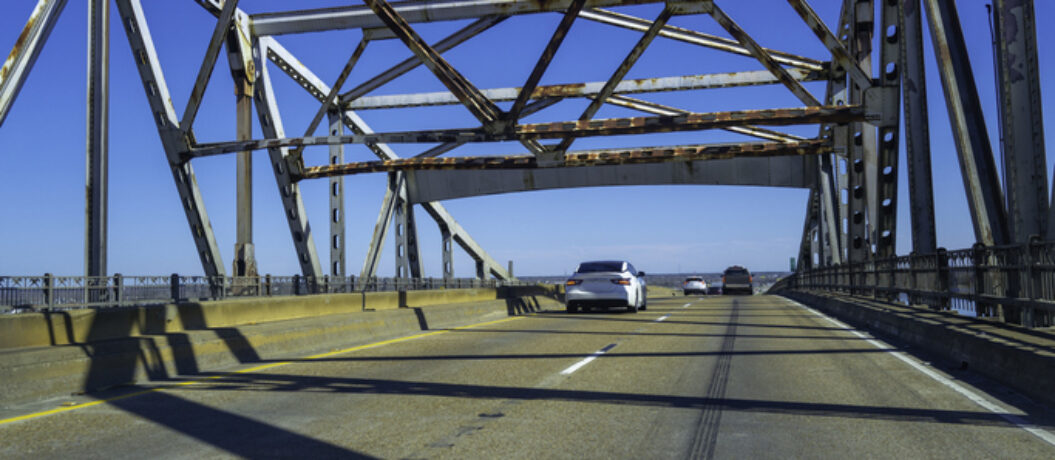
(692, 377)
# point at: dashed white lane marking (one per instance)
(976, 398)
(686, 305)
(661, 318)
(585, 361)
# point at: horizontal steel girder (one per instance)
(359, 17)
(642, 85)
(782, 171)
(556, 130)
(579, 159)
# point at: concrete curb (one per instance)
(1020, 358)
(38, 373)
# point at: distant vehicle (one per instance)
(605, 284)
(737, 280)
(695, 285)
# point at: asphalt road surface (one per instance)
(715, 377)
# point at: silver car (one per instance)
(605, 284)
(695, 285)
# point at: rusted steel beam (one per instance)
(697, 38)
(482, 108)
(839, 52)
(620, 72)
(360, 17)
(24, 54)
(557, 130)
(763, 56)
(977, 166)
(582, 159)
(411, 63)
(696, 122)
(547, 56)
(660, 109)
(588, 89)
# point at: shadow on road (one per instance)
(118, 362)
(334, 385)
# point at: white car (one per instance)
(605, 284)
(695, 285)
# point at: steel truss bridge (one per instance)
(850, 166)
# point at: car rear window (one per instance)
(736, 271)
(590, 267)
(693, 279)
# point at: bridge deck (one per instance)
(692, 377)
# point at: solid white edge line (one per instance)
(976, 398)
(661, 318)
(585, 361)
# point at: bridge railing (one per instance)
(27, 293)
(1014, 283)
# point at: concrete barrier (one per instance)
(1021, 358)
(91, 325)
(83, 351)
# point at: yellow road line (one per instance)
(59, 410)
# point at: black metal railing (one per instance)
(1013, 284)
(27, 293)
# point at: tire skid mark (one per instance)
(706, 437)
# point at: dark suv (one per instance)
(737, 280)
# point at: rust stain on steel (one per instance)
(582, 159)
(20, 43)
(693, 121)
(571, 89)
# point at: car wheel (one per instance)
(631, 307)
(572, 308)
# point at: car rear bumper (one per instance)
(609, 297)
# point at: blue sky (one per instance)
(658, 228)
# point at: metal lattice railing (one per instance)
(1014, 284)
(28, 293)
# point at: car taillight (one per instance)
(622, 281)
(573, 282)
(723, 280)
(750, 279)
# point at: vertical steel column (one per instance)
(861, 140)
(97, 168)
(173, 140)
(840, 160)
(808, 247)
(1025, 165)
(977, 165)
(446, 243)
(829, 211)
(243, 74)
(917, 129)
(408, 257)
(244, 253)
(336, 199)
(888, 88)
